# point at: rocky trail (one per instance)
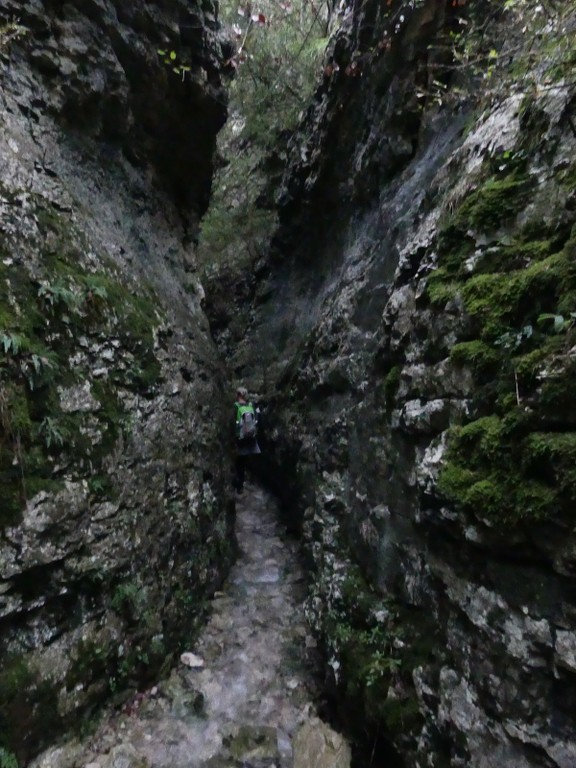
(244, 695)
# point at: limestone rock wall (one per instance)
(114, 520)
(420, 414)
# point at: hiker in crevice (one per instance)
(246, 436)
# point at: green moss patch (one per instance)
(493, 204)
(377, 643)
(441, 288)
(500, 496)
(516, 255)
(500, 301)
(477, 355)
(519, 296)
(552, 457)
(503, 470)
(50, 310)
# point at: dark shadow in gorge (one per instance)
(370, 749)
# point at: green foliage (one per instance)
(373, 644)
(171, 59)
(493, 204)
(277, 59)
(512, 463)
(513, 340)
(129, 600)
(42, 319)
(281, 81)
(481, 358)
(12, 343)
(7, 759)
(101, 487)
(51, 433)
(537, 31)
(557, 322)
(59, 295)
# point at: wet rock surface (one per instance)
(111, 473)
(245, 694)
(415, 241)
(97, 72)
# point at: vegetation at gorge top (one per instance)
(278, 50)
(279, 59)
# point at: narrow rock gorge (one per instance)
(245, 696)
(411, 331)
(408, 330)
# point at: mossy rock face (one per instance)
(375, 643)
(551, 456)
(477, 355)
(491, 206)
(518, 292)
(57, 317)
(77, 346)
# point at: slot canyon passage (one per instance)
(364, 212)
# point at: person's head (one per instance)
(242, 393)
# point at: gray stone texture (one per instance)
(105, 168)
(355, 372)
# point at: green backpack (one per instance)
(246, 424)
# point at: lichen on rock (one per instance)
(115, 525)
(414, 337)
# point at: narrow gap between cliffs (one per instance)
(248, 693)
(369, 749)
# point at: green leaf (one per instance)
(12, 342)
(559, 321)
(173, 55)
(7, 759)
(527, 331)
